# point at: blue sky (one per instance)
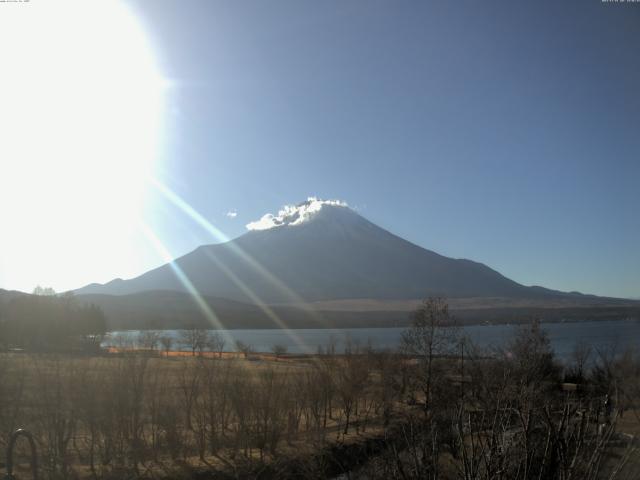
(504, 132)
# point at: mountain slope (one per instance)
(324, 253)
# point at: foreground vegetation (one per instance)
(46, 322)
(437, 409)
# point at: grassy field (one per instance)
(152, 414)
(159, 415)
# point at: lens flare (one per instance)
(217, 234)
(80, 112)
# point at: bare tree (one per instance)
(149, 340)
(195, 339)
(432, 333)
(279, 350)
(244, 348)
(580, 357)
(167, 342)
(530, 355)
(217, 343)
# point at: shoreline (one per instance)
(368, 327)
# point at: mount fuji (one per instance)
(318, 251)
(320, 263)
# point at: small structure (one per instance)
(34, 454)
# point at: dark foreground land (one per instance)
(413, 414)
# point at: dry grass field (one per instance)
(162, 416)
(152, 415)
(426, 411)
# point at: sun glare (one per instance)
(80, 112)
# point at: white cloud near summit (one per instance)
(293, 214)
(231, 214)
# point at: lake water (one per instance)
(621, 334)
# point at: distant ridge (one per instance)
(158, 310)
(324, 251)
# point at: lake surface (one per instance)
(621, 334)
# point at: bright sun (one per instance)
(80, 111)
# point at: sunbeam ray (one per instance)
(268, 311)
(207, 311)
(221, 237)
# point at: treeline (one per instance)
(50, 322)
(436, 409)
